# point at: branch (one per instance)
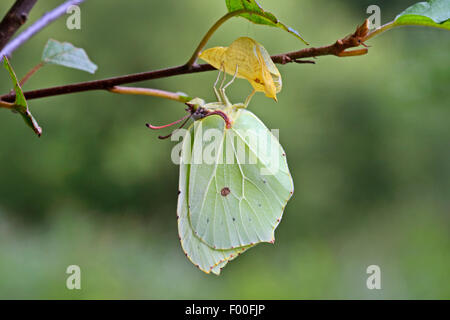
(7, 105)
(14, 19)
(46, 19)
(30, 73)
(176, 96)
(209, 34)
(381, 29)
(337, 49)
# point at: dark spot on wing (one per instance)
(225, 191)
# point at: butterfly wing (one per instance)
(235, 202)
(198, 252)
(253, 61)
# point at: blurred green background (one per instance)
(367, 140)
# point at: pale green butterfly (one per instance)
(226, 207)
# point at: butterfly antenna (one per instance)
(182, 125)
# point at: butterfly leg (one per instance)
(234, 77)
(223, 87)
(216, 92)
(223, 78)
(250, 96)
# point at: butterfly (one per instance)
(234, 180)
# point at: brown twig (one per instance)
(337, 49)
(30, 73)
(6, 105)
(36, 27)
(14, 19)
(209, 34)
(176, 96)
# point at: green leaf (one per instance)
(66, 54)
(434, 13)
(261, 16)
(20, 105)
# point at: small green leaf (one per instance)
(261, 16)
(66, 54)
(434, 13)
(20, 105)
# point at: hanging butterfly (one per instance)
(235, 199)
